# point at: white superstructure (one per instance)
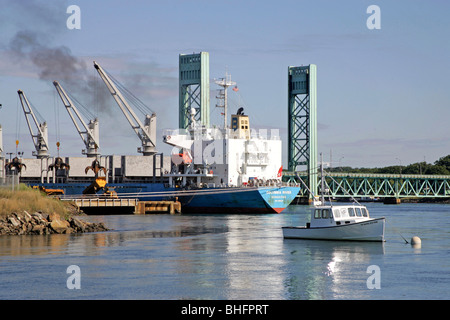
(231, 157)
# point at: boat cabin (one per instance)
(327, 216)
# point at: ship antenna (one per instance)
(224, 83)
(321, 181)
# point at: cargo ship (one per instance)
(210, 170)
(228, 170)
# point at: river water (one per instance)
(229, 257)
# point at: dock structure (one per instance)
(145, 207)
(124, 206)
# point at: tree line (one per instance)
(440, 167)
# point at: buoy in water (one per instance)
(416, 241)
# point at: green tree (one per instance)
(440, 167)
(391, 170)
(438, 170)
(444, 161)
(417, 168)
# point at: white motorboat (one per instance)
(343, 222)
(351, 222)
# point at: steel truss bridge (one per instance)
(362, 185)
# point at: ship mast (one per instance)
(224, 83)
(322, 184)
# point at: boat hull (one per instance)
(253, 200)
(370, 230)
(240, 200)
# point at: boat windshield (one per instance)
(345, 212)
(361, 212)
(341, 212)
(322, 214)
(336, 213)
(351, 212)
(365, 213)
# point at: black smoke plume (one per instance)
(58, 63)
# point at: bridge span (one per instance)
(368, 185)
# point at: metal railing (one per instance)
(344, 185)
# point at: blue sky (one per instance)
(383, 95)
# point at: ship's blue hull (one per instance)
(211, 200)
(239, 200)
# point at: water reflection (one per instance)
(51, 244)
(254, 259)
(224, 257)
(90, 243)
(32, 244)
(204, 257)
(326, 269)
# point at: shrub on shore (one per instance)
(29, 211)
(31, 200)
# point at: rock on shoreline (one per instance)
(42, 223)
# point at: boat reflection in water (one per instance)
(329, 270)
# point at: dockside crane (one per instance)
(89, 133)
(40, 138)
(146, 132)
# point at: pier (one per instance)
(124, 206)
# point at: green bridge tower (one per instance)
(194, 88)
(302, 122)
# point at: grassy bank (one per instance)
(30, 200)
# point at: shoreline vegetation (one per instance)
(29, 211)
(440, 167)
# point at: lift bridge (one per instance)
(302, 139)
(388, 187)
(302, 155)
